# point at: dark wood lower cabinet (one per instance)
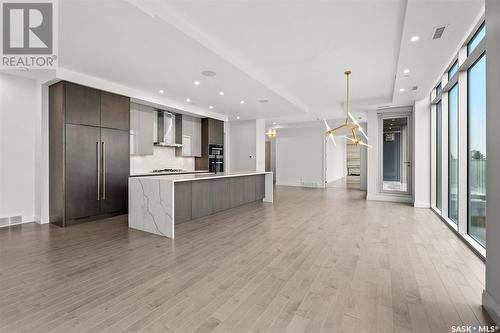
(202, 198)
(260, 187)
(182, 202)
(236, 188)
(221, 197)
(194, 199)
(249, 185)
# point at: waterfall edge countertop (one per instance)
(158, 203)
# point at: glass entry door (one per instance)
(396, 155)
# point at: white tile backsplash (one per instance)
(162, 158)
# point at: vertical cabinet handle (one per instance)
(103, 171)
(98, 172)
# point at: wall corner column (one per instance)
(491, 294)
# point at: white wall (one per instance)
(242, 146)
(163, 157)
(299, 156)
(422, 154)
(246, 145)
(260, 145)
(363, 163)
(336, 159)
(491, 295)
(273, 158)
(19, 105)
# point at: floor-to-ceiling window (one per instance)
(459, 169)
(476, 39)
(477, 150)
(439, 162)
(453, 154)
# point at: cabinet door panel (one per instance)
(221, 196)
(115, 170)
(82, 105)
(215, 131)
(182, 202)
(196, 148)
(114, 111)
(249, 188)
(260, 190)
(82, 144)
(141, 131)
(236, 191)
(202, 198)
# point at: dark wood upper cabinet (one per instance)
(82, 105)
(212, 133)
(215, 132)
(115, 111)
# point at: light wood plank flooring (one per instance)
(315, 261)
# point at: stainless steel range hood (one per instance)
(166, 129)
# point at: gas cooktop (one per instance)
(167, 170)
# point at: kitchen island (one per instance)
(158, 203)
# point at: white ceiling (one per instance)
(428, 58)
(292, 53)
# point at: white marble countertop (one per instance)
(200, 176)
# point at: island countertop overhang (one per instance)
(203, 176)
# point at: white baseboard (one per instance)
(278, 183)
(294, 184)
(28, 219)
(492, 307)
(390, 198)
(42, 219)
(421, 205)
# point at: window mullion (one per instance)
(462, 153)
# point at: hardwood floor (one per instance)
(315, 261)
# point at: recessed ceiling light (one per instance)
(210, 107)
(274, 123)
(221, 93)
(406, 71)
(242, 102)
(188, 100)
(237, 117)
(161, 91)
(414, 38)
(208, 73)
(402, 90)
(196, 83)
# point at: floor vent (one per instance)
(438, 32)
(12, 220)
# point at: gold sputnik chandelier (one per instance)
(271, 133)
(353, 126)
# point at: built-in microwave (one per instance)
(216, 158)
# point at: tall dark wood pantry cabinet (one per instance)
(88, 153)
